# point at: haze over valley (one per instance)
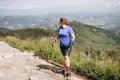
(109, 22)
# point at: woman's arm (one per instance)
(72, 37)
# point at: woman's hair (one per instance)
(64, 20)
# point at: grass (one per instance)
(100, 65)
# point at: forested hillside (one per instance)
(89, 36)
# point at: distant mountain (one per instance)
(87, 36)
(20, 22)
(52, 22)
(117, 29)
(3, 29)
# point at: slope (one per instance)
(87, 36)
(17, 65)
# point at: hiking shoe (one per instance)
(63, 71)
(67, 74)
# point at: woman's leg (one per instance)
(66, 53)
(67, 63)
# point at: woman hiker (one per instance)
(66, 37)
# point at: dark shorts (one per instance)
(65, 50)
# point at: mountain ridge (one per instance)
(88, 34)
(18, 22)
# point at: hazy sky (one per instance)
(28, 7)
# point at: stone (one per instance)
(33, 78)
(2, 75)
(7, 55)
(1, 57)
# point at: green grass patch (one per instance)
(100, 65)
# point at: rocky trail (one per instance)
(17, 65)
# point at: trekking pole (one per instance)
(53, 41)
(52, 44)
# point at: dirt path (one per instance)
(16, 65)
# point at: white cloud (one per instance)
(113, 5)
(31, 6)
(119, 3)
(59, 5)
(3, 7)
(108, 5)
(20, 7)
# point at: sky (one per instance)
(36, 7)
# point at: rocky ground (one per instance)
(17, 65)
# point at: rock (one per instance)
(75, 78)
(37, 57)
(33, 78)
(7, 55)
(2, 75)
(0, 57)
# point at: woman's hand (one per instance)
(53, 41)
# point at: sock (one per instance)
(68, 69)
(64, 68)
